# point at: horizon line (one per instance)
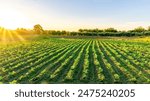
(76, 29)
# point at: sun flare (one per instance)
(12, 19)
(10, 36)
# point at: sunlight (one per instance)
(3, 35)
(20, 38)
(10, 36)
(0, 34)
(12, 19)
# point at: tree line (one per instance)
(38, 29)
(139, 31)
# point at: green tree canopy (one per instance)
(148, 28)
(139, 29)
(110, 30)
(38, 29)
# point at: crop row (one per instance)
(59, 60)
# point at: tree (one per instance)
(80, 30)
(148, 28)
(38, 29)
(139, 29)
(110, 30)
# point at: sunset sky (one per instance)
(74, 14)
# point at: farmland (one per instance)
(75, 60)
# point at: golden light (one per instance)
(3, 35)
(17, 35)
(12, 19)
(10, 36)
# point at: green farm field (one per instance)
(76, 60)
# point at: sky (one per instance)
(72, 15)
